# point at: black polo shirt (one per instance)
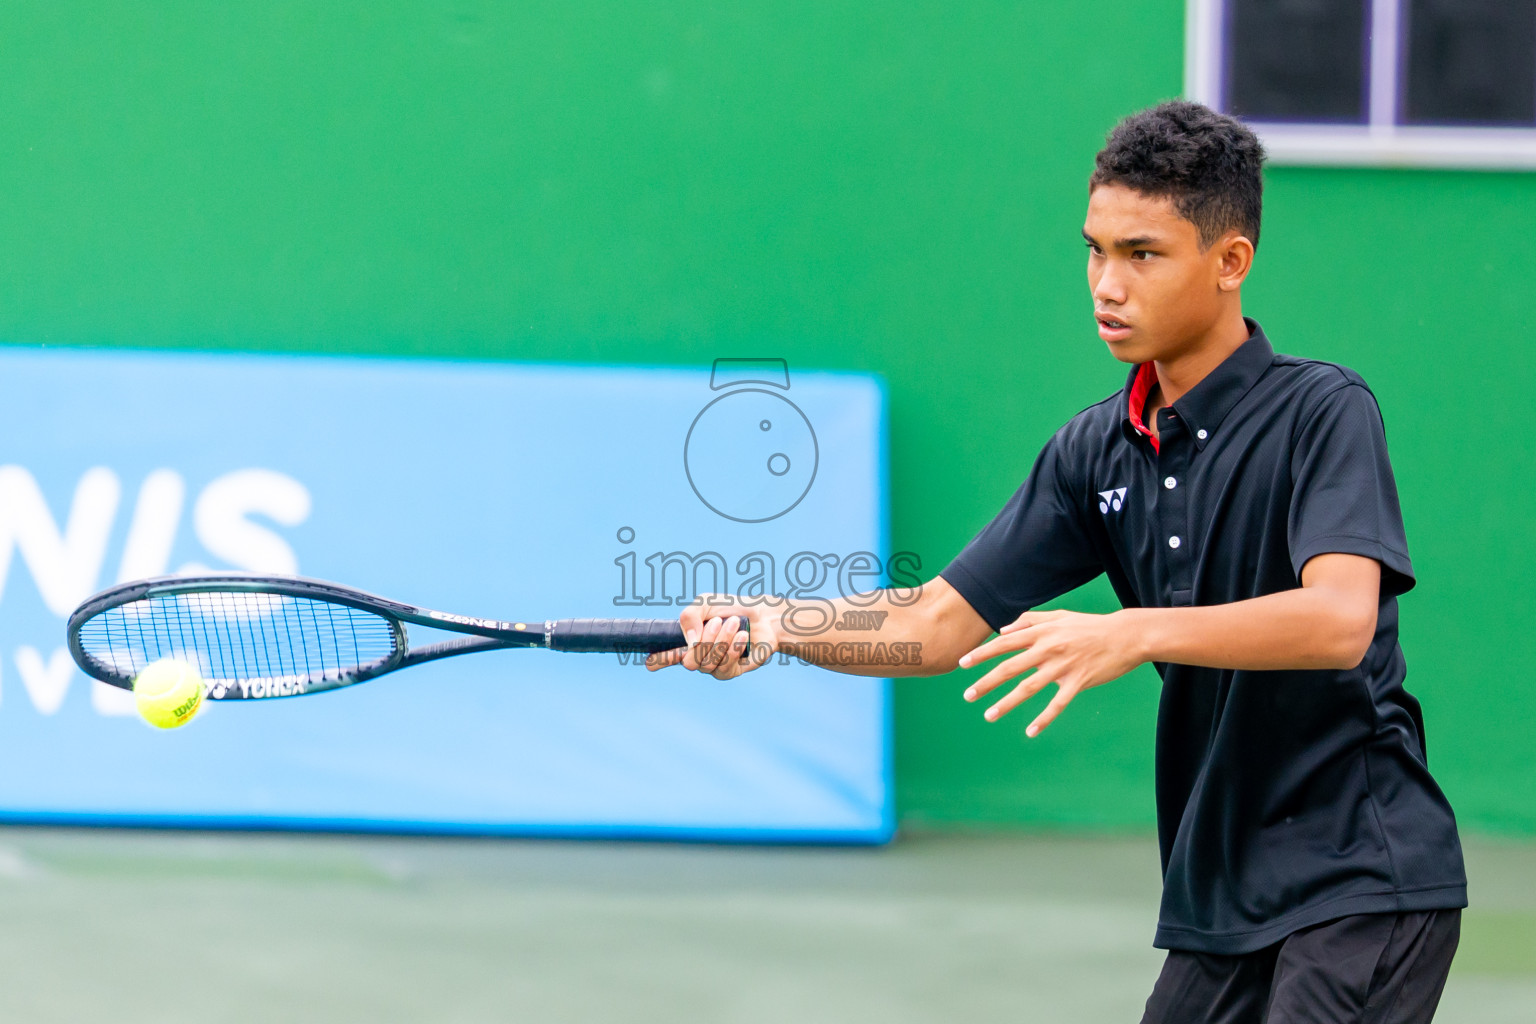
(1284, 798)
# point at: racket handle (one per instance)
(604, 636)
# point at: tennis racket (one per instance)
(257, 637)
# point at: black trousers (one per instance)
(1366, 969)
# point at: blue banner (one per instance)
(510, 491)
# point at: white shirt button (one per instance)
(1174, 542)
(1170, 483)
(1200, 434)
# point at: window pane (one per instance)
(1297, 60)
(1470, 62)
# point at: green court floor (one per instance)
(171, 927)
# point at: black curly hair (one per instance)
(1207, 163)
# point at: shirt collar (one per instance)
(1205, 406)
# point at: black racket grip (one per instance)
(606, 636)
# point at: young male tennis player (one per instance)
(1243, 506)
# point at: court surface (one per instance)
(170, 927)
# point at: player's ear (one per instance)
(1234, 258)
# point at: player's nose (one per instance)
(1109, 289)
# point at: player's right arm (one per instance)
(922, 632)
(1037, 548)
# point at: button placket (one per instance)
(1176, 448)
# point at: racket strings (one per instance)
(239, 635)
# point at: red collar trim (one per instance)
(1146, 376)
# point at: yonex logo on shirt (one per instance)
(1111, 500)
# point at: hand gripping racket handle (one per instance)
(601, 636)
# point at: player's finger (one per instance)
(1031, 619)
(731, 663)
(718, 640)
(1001, 673)
(704, 647)
(716, 606)
(691, 652)
(728, 646)
(1027, 619)
(1063, 697)
(665, 659)
(720, 650)
(692, 617)
(1026, 689)
(992, 648)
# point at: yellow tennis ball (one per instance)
(168, 693)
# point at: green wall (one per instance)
(845, 184)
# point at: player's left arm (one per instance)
(1326, 623)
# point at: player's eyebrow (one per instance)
(1138, 242)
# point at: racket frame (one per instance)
(479, 634)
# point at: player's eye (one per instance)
(1142, 254)
(1093, 248)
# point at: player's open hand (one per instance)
(727, 635)
(1074, 650)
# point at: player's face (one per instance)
(1155, 292)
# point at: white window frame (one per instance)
(1380, 143)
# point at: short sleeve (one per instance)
(1344, 496)
(1034, 550)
